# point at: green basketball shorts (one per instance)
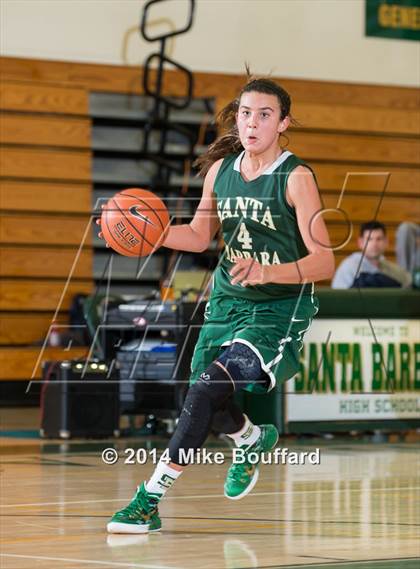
(273, 330)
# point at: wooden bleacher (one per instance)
(45, 198)
(46, 172)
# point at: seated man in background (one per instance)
(369, 268)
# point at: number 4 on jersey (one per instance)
(244, 237)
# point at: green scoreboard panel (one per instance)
(395, 19)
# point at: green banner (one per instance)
(396, 19)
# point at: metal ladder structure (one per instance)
(159, 117)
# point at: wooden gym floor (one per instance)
(358, 509)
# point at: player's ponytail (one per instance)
(229, 142)
(225, 144)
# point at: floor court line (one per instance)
(369, 563)
(224, 519)
(28, 524)
(201, 496)
(87, 561)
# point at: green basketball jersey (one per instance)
(257, 222)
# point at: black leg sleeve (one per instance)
(204, 398)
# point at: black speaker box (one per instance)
(79, 399)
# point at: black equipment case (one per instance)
(78, 399)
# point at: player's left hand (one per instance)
(248, 272)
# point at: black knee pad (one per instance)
(203, 399)
(243, 365)
(217, 383)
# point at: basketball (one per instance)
(134, 222)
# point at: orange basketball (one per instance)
(134, 222)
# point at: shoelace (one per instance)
(241, 471)
(140, 506)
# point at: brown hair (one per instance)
(371, 226)
(229, 142)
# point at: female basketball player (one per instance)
(266, 201)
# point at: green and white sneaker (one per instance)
(242, 477)
(140, 516)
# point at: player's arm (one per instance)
(303, 195)
(197, 235)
